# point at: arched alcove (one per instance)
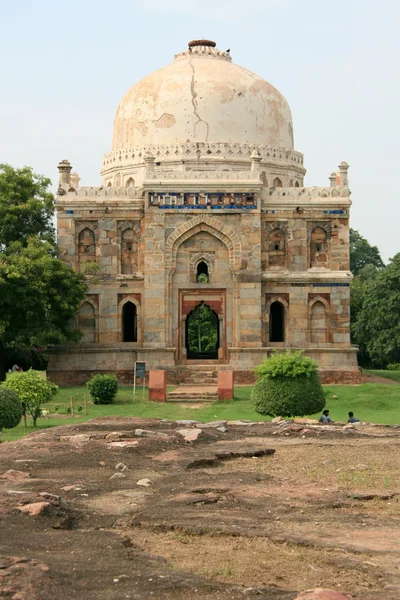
(130, 182)
(277, 183)
(277, 248)
(318, 323)
(129, 322)
(202, 274)
(87, 323)
(318, 248)
(86, 247)
(129, 249)
(277, 322)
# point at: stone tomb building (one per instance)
(203, 210)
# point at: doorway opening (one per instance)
(202, 333)
(129, 323)
(277, 322)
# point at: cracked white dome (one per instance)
(202, 97)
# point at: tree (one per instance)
(288, 386)
(32, 389)
(358, 293)
(377, 325)
(39, 294)
(203, 330)
(26, 206)
(10, 409)
(362, 253)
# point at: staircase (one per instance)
(187, 392)
(201, 378)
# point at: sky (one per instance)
(66, 65)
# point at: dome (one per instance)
(202, 97)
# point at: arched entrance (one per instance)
(277, 322)
(129, 323)
(202, 333)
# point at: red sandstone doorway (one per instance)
(189, 301)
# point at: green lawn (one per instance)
(373, 402)
(394, 375)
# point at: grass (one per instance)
(393, 375)
(374, 402)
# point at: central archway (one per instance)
(202, 333)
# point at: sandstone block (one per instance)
(225, 385)
(158, 386)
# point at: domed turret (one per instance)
(202, 97)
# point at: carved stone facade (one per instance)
(230, 225)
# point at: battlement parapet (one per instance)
(202, 151)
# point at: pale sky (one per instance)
(66, 65)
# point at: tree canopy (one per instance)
(362, 253)
(377, 323)
(26, 206)
(39, 294)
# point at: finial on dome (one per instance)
(208, 43)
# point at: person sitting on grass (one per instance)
(325, 418)
(352, 418)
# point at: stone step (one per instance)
(188, 393)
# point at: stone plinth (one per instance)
(225, 385)
(157, 386)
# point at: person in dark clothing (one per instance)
(352, 418)
(325, 418)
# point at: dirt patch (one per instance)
(273, 514)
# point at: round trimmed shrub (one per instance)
(288, 386)
(11, 410)
(103, 388)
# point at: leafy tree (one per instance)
(362, 253)
(10, 409)
(288, 385)
(203, 330)
(103, 388)
(39, 294)
(358, 292)
(377, 325)
(26, 206)
(33, 390)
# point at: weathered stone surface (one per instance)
(13, 475)
(35, 509)
(211, 425)
(190, 435)
(323, 594)
(144, 482)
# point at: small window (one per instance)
(277, 322)
(202, 274)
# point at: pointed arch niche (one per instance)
(319, 319)
(129, 318)
(86, 241)
(129, 255)
(87, 321)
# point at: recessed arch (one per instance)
(277, 183)
(202, 223)
(130, 182)
(87, 322)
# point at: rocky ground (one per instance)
(120, 508)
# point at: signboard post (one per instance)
(139, 373)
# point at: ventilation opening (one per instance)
(277, 322)
(202, 275)
(129, 323)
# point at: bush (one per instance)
(288, 386)
(11, 410)
(103, 388)
(32, 389)
(393, 367)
